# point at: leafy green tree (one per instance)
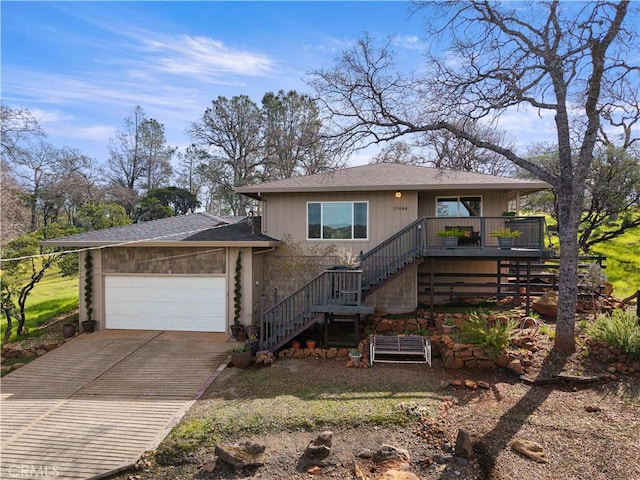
(20, 276)
(103, 215)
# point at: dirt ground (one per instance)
(587, 431)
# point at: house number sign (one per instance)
(400, 209)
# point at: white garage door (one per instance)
(170, 302)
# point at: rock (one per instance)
(332, 352)
(470, 384)
(321, 446)
(547, 304)
(314, 470)
(398, 475)
(364, 453)
(592, 408)
(455, 383)
(502, 360)
(241, 454)
(484, 385)
(530, 449)
(516, 367)
(453, 363)
(210, 466)
(464, 446)
(40, 352)
(389, 453)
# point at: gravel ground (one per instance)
(587, 431)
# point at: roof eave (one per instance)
(175, 243)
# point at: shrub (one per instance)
(493, 336)
(618, 330)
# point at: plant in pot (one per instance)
(241, 356)
(311, 344)
(237, 329)
(88, 325)
(354, 355)
(450, 237)
(448, 324)
(506, 237)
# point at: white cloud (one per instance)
(203, 57)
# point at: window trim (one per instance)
(481, 197)
(321, 202)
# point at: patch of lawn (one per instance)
(623, 262)
(52, 296)
(270, 400)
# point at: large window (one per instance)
(459, 206)
(337, 220)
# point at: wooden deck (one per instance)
(95, 404)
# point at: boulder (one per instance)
(530, 449)
(321, 446)
(464, 446)
(241, 454)
(547, 304)
(389, 453)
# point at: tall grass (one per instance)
(493, 336)
(52, 296)
(618, 330)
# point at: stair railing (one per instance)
(393, 254)
(296, 313)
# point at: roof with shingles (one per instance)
(388, 176)
(197, 227)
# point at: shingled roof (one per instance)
(198, 227)
(390, 176)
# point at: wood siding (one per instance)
(287, 214)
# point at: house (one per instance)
(180, 273)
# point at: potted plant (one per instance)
(448, 324)
(295, 344)
(450, 237)
(506, 237)
(68, 330)
(311, 344)
(88, 325)
(354, 355)
(241, 356)
(237, 329)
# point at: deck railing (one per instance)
(296, 313)
(421, 237)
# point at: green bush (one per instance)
(618, 330)
(493, 336)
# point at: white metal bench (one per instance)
(386, 348)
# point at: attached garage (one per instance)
(175, 273)
(165, 302)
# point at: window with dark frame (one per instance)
(337, 220)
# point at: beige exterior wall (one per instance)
(287, 214)
(246, 285)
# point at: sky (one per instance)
(81, 67)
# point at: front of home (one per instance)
(388, 216)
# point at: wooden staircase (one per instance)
(342, 291)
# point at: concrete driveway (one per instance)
(95, 404)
